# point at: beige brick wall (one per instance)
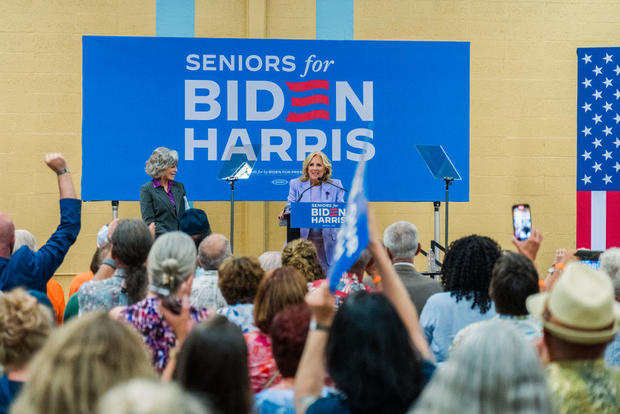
(40, 106)
(523, 96)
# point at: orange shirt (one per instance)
(78, 280)
(57, 296)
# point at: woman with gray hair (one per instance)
(162, 200)
(494, 370)
(145, 396)
(171, 267)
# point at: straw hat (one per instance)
(582, 302)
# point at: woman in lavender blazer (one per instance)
(316, 185)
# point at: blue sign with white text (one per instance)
(274, 101)
(317, 215)
(353, 236)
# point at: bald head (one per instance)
(212, 251)
(7, 235)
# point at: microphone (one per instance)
(323, 179)
(303, 192)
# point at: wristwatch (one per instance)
(314, 326)
(63, 171)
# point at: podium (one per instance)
(324, 215)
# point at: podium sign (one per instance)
(317, 215)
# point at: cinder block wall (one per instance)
(523, 104)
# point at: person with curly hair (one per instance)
(513, 280)
(465, 277)
(279, 288)
(162, 199)
(239, 278)
(25, 325)
(302, 255)
(79, 363)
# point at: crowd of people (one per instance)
(171, 321)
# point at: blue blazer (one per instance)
(329, 193)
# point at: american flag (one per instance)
(598, 148)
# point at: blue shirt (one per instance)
(272, 401)
(241, 314)
(612, 353)
(8, 391)
(280, 401)
(442, 318)
(33, 270)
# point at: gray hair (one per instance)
(402, 239)
(610, 264)
(213, 250)
(270, 260)
(24, 238)
(172, 260)
(142, 396)
(494, 370)
(161, 159)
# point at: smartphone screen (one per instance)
(521, 221)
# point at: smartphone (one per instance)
(589, 257)
(521, 221)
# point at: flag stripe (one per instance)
(599, 215)
(583, 219)
(613, 219)
(598, 144)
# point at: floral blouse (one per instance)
(103, 295)
(157, 334)
(241, 314)
(261, 364)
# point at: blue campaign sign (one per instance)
(317, 215)
(273, 101)
(353, 235)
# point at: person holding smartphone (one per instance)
(171, 267)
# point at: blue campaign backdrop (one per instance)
(275, 100)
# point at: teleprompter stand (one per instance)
(238, 167)
(441, 168)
